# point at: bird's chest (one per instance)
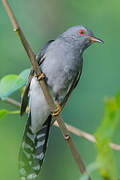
(60, 72)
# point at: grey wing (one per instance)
(25, 98)
(40, 58)
(73, 86)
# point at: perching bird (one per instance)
(61, 62)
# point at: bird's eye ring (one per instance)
(82, 32)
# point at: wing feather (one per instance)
(40, 58)
(73, 86)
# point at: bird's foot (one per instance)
(41, 76)
(57, 111)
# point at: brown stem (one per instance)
(12, 101)
(86, 135)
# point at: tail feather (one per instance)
(32, 151)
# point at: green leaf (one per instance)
(118, 99)
(104, 134)
(13, 82)
(3, 112)
(14, 112)
(22, 90)
(24, 75)
(6, 85)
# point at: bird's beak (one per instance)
(94, 39)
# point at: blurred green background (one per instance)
(42, 20)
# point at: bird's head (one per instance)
(80, 36)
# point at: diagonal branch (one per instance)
(70, 128)
(47, 95)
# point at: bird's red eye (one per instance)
(82, 32)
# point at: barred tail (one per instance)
(32, 151)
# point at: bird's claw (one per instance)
(41, 76)
(57, 111)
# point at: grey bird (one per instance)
(61, 61)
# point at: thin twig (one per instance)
(86, 135)
(70, 128)
(47, 95)
(12, 101)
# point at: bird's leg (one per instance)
(57, 111)
(41, 76)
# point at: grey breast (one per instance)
(60, 67)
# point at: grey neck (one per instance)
(74, 44)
